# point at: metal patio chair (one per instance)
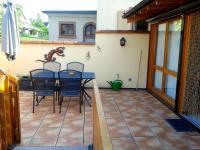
(78, 66)
(55, 67)
(43, 83)
(52, 65)
(70, 85)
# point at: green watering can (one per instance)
(116, 84)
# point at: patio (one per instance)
(161, 55)
(135, 119)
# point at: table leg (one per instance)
(39, 100)
(87, 97)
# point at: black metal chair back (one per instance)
(52, 65)
(70, 80)
(43, 82)
(78, 66)
(70, 85)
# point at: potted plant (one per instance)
(25, 83)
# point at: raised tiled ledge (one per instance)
(55, 42)
(122, 31)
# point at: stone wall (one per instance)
(192, 89)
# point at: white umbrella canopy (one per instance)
(10, 33)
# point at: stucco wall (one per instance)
(79, 19)
(192, 82)
(107, 12)
(106, 62)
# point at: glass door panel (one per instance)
(158, 80)
(160, 45)
(166, 59)
(174, 36)
(170, 86)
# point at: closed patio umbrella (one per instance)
(10, 33)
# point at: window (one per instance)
(67, 29)
(174, 37)
(141, 26)
(90, 30)
(160, 45)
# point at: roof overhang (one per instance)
(147, 9)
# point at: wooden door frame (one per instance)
(184, 62)
(182, 69)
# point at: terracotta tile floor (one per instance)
(45, 128)
(135, 119)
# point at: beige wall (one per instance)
(107, 12)
(106, 62)
(122, 24)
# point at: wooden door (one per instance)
(164, 54)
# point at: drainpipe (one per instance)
(179, 63)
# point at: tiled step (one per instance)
(51, 148)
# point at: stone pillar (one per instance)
(192, 88)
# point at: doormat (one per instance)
(90, 147)
(180, 125)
